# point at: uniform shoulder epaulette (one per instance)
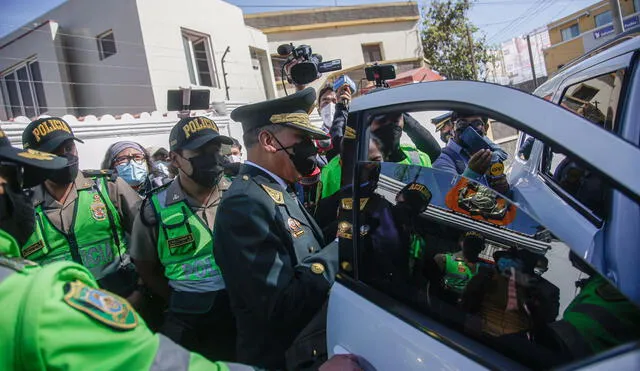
(105, 173)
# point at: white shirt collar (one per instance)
(274, 176)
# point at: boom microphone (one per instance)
(285, 49)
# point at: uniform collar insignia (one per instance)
(276, 195)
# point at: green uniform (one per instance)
(597, 319)
(55, 317)
(89, 229)
(332, 172)
(457, 273)
(174, 231)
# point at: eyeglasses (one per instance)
(476, 124)
(138, 158)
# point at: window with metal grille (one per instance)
(22, 90)
(197, 48)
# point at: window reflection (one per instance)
(518, 298)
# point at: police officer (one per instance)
(81, 216)
(55, 317)
(269, 248)
(460, 267)
(172, 242)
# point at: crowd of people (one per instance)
(190, 257)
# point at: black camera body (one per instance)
(380, 73)
(309, 65)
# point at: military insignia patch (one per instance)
(36, 155)
(276, 195)
(295, 227)
(98, 208)
(344, 230)
(347, 203)
(102, 306)
(349, 133)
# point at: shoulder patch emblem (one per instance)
(100, 305)
(349, 133)
(276, 195)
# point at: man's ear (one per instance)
(267, 142)
(173, 158)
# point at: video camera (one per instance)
(309, 65)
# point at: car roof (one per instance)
(518, 108)
(612, 49)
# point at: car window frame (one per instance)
(350, 277)
(584, 76)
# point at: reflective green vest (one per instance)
(602, 317)
(185, 247)
(414, 157)
(457, 273)
(8, 245)
(332, 172)
(95, 238)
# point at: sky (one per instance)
(498, 20)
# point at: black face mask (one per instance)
(303, 156)
(16, 214)
(445, 136)
(67, 174)
(207, 169)
(389, 135)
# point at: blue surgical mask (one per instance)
(132, 172)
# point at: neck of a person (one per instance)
(59, 192)
(195, 190)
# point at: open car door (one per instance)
(413, 294)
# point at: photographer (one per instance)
(460, 157)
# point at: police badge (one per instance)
(98, 208)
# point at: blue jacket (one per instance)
(454, 159)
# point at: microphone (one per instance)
(285, 49)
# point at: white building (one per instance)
(386, 32)
(512, 63)
(108, 57)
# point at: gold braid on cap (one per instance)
(298, 119)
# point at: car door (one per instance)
(395, 320)
(603, 94)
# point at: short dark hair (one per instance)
(236, 144)
(250, 137)
(323, 91)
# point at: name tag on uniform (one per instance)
(32, 249)
(295, 228)
(180, 241)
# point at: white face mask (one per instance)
(235, 158)
(327, 112)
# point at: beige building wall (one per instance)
(563, 51)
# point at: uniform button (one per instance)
(245, 177)
(312, 249)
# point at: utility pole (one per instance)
(616, 14)
(533, 67)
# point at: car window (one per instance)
(597, 100)
(526, 298)
(455, 251)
